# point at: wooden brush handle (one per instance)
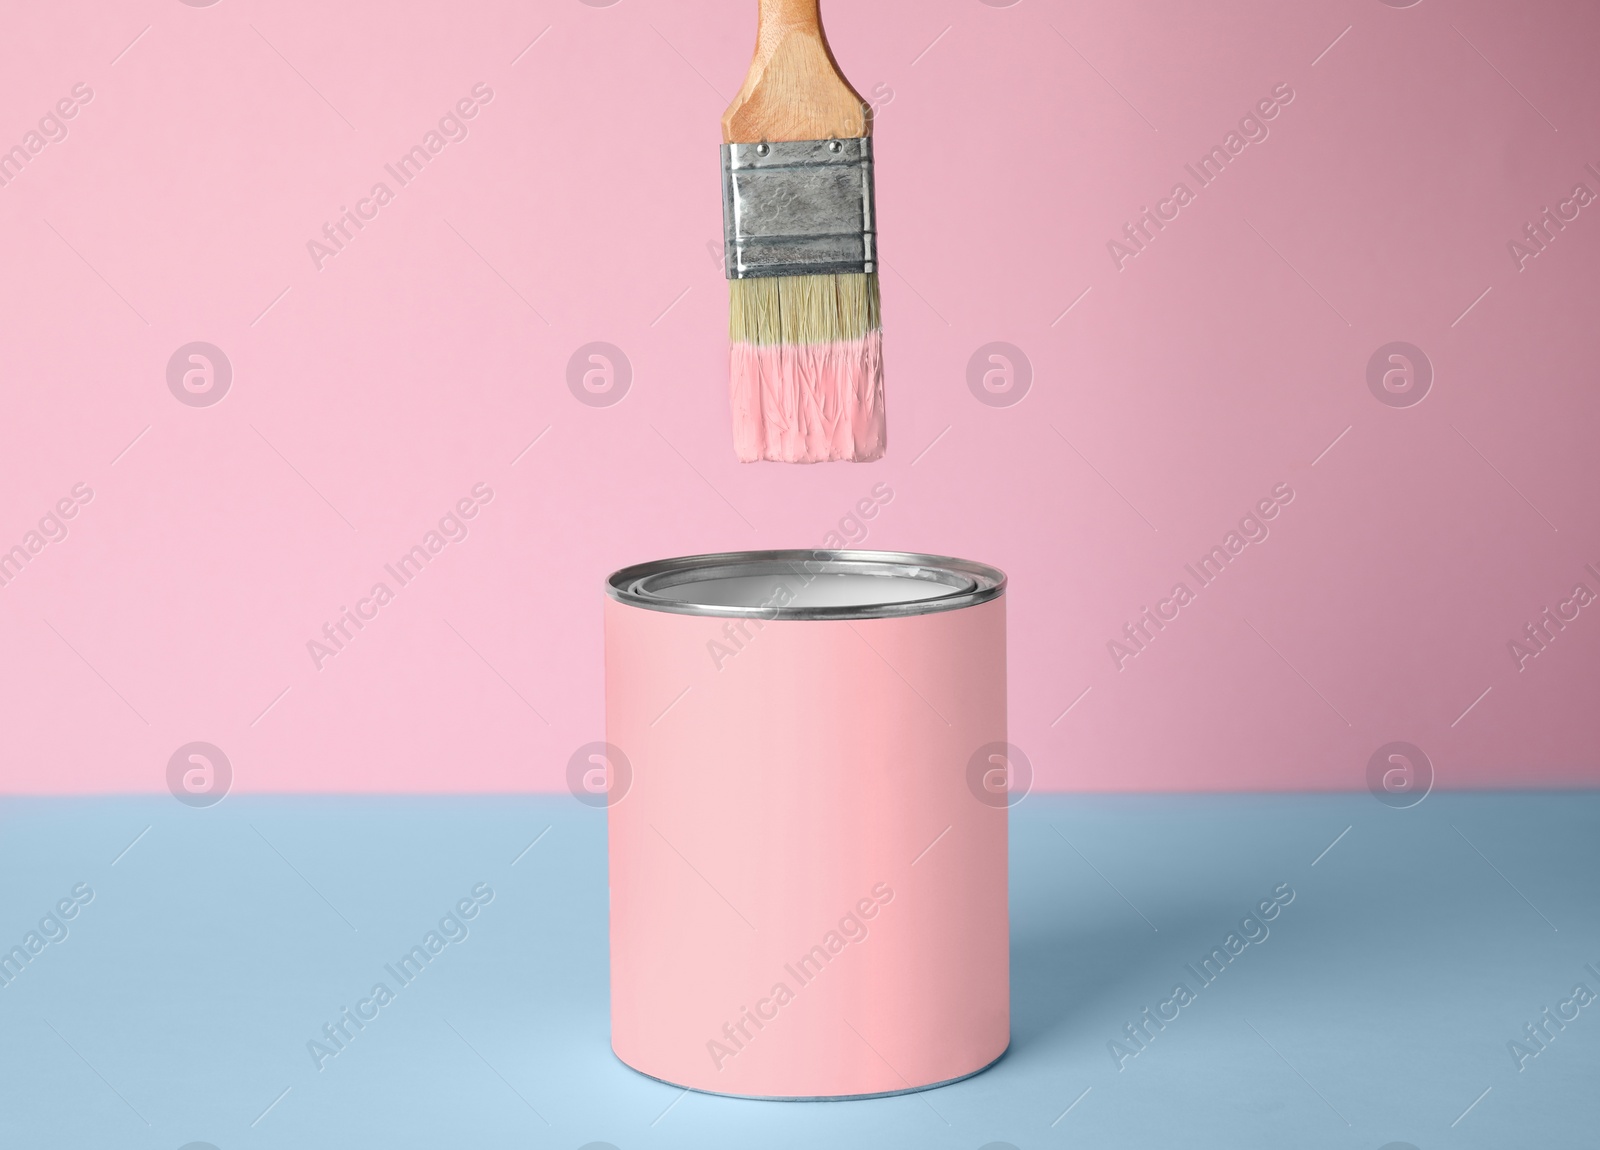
(794, 89)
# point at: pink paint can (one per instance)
(807, 776)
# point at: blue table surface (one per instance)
(1380, 1009)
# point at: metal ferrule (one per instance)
(798, 208)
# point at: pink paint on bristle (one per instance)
(809, 402)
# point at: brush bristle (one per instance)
(802, 309)
(807, 368)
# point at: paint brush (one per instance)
(800, 245)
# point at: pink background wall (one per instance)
(1167, 398)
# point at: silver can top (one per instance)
(807, 584)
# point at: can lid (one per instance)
(806, 584)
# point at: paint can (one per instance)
(807, 812)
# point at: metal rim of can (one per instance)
(969, 583)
